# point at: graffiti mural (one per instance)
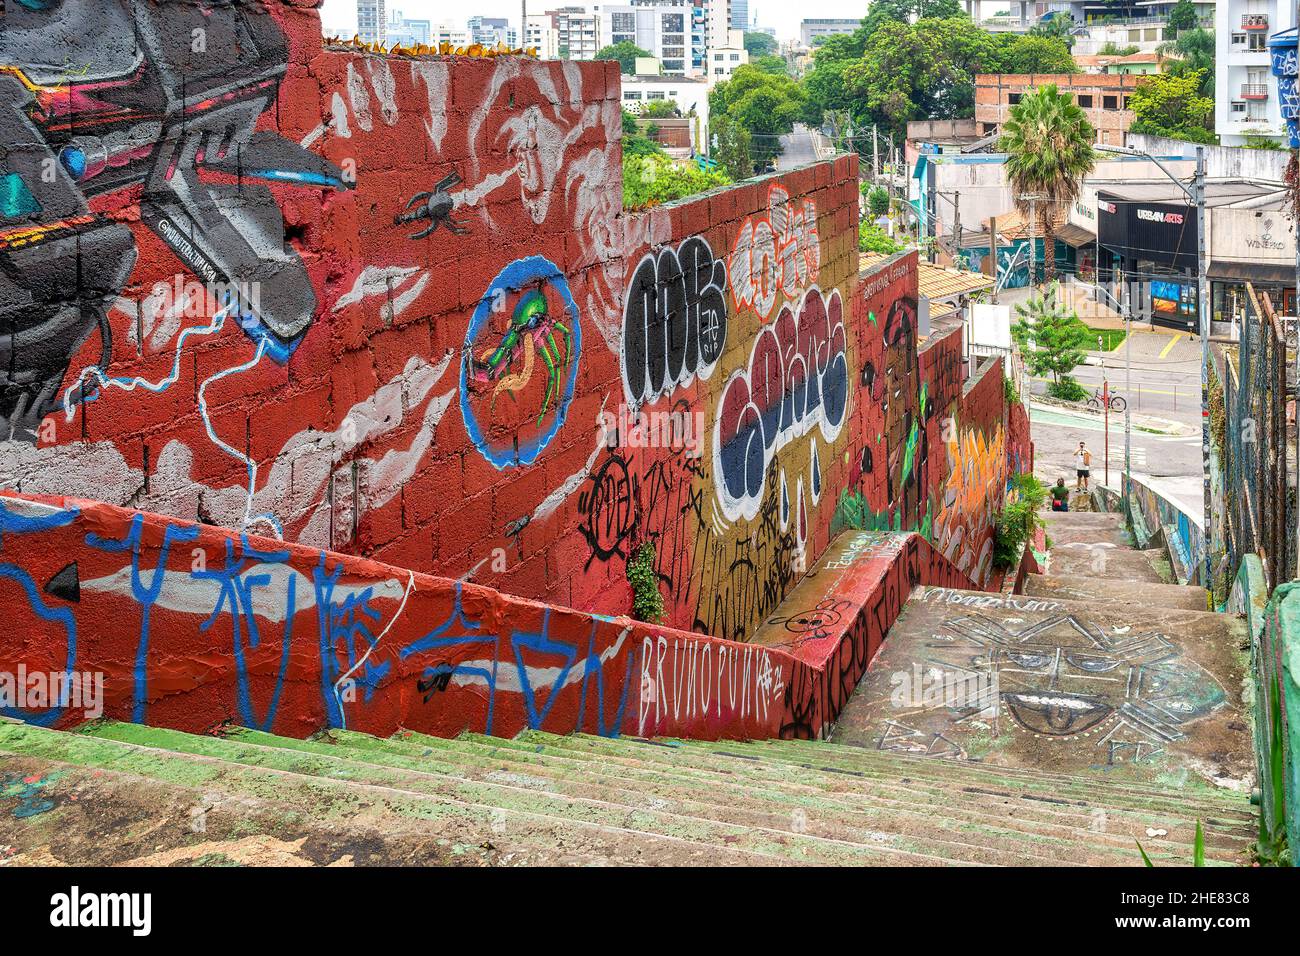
(162, 117)
(538, 330)
(190, 627)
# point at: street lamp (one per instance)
(1194, 195)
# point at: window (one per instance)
(1085, 100)
(1013, 98)
(1110, 102)
(623, 22)
(631, 95)
(735, 58)
(1258, 42)
(1239, 107)
(1239, 39)
(655, 95)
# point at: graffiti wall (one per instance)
(314, 314)
(191, 626)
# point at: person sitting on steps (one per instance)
(1060, 496)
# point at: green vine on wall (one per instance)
(647, 601)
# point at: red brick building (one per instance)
(1104, 98)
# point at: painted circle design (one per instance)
(521, 276)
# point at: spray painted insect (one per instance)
(532, 330)
(435, 206)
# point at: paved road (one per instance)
(1166, 375)
(1057, 432)
(798, 148)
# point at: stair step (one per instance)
(781, 791)
(1116, 591)
(481, 833)
(307, 759)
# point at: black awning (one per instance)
(1268, 273)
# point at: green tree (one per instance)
(660, 109)
(731, 148)
(770, 64)
(1165, 104)
(1052, 340)
(1048, 141)
(902, 11)
(759, 44)
(871, 238)
(878, 201)
(625, 52)
(653, 179)
(1192, 52)
(636, 143)
(1058, 27)
(1033, 54)
(1182, 16)
(765, 105)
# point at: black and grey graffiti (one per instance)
(674, 320)
(100, 98)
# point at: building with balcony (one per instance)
(1103, 97)
(1245, 92)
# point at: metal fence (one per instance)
(1259, 512)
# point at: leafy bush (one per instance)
(654, 179)
(647, 600)
(877, 200)
(871, 238)
(1019, 519)
(1067, 389)
(1010, 392)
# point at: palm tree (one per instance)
(1048, 141)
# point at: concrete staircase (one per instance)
(124, 793)
(1055, 727)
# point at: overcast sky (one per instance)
(784, 15)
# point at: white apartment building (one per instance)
(725, 60)
(491, 31)
(1245, 91)
(372, 21)
(542, 36)
(660, 27)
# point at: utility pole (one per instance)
(875, 156)
(1203, 314)
(1033, 253)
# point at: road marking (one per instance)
(1173, 340)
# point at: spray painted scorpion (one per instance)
(532, 330)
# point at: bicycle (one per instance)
(1117, 403)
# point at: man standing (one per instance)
(1082, 463)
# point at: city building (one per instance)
(813, 31)
(372, 21)
(399, 31)
(690, 94)
(727, 58)
(493, 31)
(440, 33)
(541, 35)
(1245, 91)
(738, 18)
(577, 32)
(1115, 64)
(1147, 237)
(1104, 98)
(660, 27)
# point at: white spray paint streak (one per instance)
(359, 97)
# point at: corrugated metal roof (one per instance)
(936, 282)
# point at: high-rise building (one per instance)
(660, 27)
(577, 32)
(1245, 91)
(399, 31)
(739, 19)
(811, 31)
(491, 31)
(372, 21)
